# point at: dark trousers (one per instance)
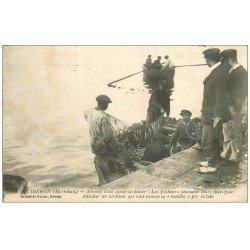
(102, 168)
(153, 116)
(210, 143)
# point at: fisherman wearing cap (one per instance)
(148, 63)
(157, 63)
(111, 160)
(168, 63)
(182, 138)
(238, 79)
(232, 130)
(214, 111)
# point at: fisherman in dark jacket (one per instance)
(232, 130)
(215, 109)
(181, 139)
(237, 80)
(157, 63)
(159, 103)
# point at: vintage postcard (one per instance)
(125, 123)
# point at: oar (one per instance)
(190, 65)
(177, 66)
(110, 84)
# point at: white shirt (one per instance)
(234, 67)
(215, 66)
(100, 127)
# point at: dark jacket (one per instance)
(159, 99)
(215, 95)
(238, 87)
(157, 64)
(181, 134)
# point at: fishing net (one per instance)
(135, 136)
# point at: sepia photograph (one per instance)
(125, 123)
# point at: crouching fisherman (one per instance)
(111, 159)
(183, 137)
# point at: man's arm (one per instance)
(241, 78)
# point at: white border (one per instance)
(124, 226)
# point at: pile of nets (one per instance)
(163, 78)
(136, 136)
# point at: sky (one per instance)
(47, 89)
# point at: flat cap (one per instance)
(228, 53)
(159, 57)
(185, 112)
(103, 98)
(211, 52)
(149, 55)
(166, 56)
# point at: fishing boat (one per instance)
(154, 74)
(14, 184)
(155, 77)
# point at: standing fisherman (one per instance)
(157, 63)
(157, 105)
(215, 110)
(232, 130)
(148, 63)
(111, 159)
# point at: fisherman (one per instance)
(111, 159)
(157, 150)
(155, 110)
(232, 130)
(182, 138)
(170, 72)
(157, 63)
(159, 104)
(214, 111)
(148, 63)
(168, 63)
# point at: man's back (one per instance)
(157, 64)
(238, 87)
(99, 125)
(215, 95)
(149, 61)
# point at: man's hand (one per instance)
(216, 121)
